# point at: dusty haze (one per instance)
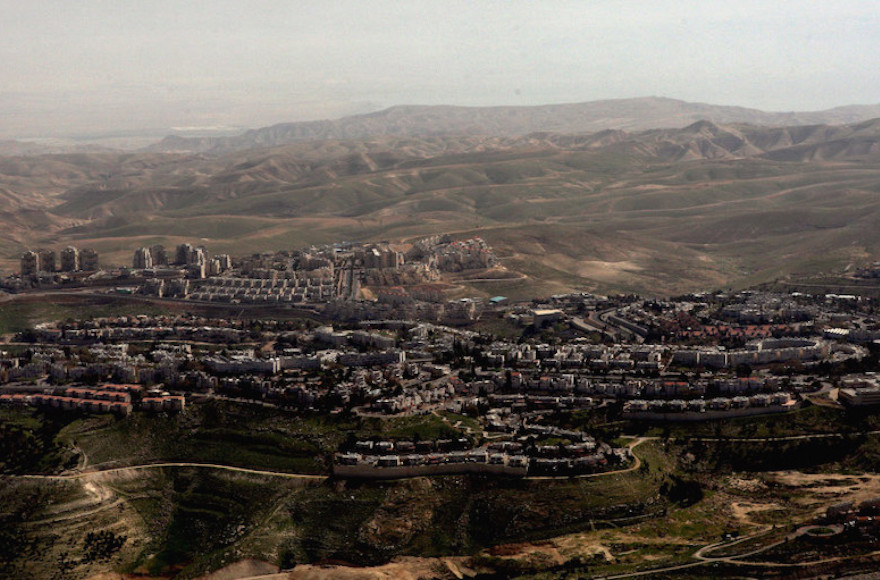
(95, 68)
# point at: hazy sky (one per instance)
(91, 66)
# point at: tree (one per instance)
(101, 545)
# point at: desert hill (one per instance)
(426, 121)
(660, 210)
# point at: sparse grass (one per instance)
(497, 325)
(424, 427)
(808, 420)
(465, 421)
(683, 224)
(30, 442)
(24, 312)
(246, 438)
(198, 520)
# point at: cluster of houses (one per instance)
(748, 315)
(292, 288)
(525, 402)
(703, 409)
(394, 303)
(399, 366)
(471, 254)
(450, 255)
(98, 362)
(108, 398)
(332, 275)
(746, 309)
(598, 357)
(390, 459)
(414, 398)
(859, 390)
(862, 519)
(247, 363)
(872, 271)
(766, 351)
(391, 466)
(568, 384)
(140, 328)
(321, 275)
(536, 376)
(407, 275)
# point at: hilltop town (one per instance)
(435, 291)
(366, 335)
(391, 344)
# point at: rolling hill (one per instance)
(660, 210)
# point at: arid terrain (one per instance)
(661, 210)
(439, 290)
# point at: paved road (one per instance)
(702, 555)
(587, 325)
(307, 476)
(653, 571)
(595, 320)
(779, 438)
(636, 464)
(735, 560)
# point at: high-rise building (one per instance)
(183, 254)
(198, 256)
(30, 264)
(160, 255)
(88, 259)
(143, 259)
(196, 271)
(47, 260)
(225, 262)
(69, 259)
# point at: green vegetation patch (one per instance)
(215, 432)
(22, 314)
(419, 427)
(201, 519)
(29, 442)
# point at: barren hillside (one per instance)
(427, 121)
(664, 209)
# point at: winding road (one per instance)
(98, 472)
(701, 556)
(305, 476)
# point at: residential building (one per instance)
(69, 259)
(88, 260)
(30, 264)
(47, 260)
(143, 259)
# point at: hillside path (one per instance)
(98, 472)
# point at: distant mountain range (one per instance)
(11, 147)
(429, 121)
